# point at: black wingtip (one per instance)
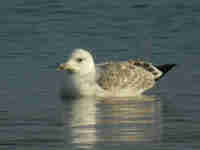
(165, 68)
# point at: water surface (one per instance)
(36, 35)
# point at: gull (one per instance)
(82, 77)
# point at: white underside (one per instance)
(76, 86)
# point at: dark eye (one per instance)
(79, 60)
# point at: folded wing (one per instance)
(135, 75)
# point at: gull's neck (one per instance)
(85, 85)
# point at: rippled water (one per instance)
(36, 35)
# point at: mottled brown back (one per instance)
(136, 75)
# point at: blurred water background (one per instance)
(35, 35)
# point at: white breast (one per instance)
(74, 85)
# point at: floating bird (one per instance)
(82, 77)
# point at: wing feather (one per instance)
(130, 74)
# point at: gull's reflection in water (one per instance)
(81, 122)
(93, 121)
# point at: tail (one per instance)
(164, 69)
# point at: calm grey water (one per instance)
(35, 35)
